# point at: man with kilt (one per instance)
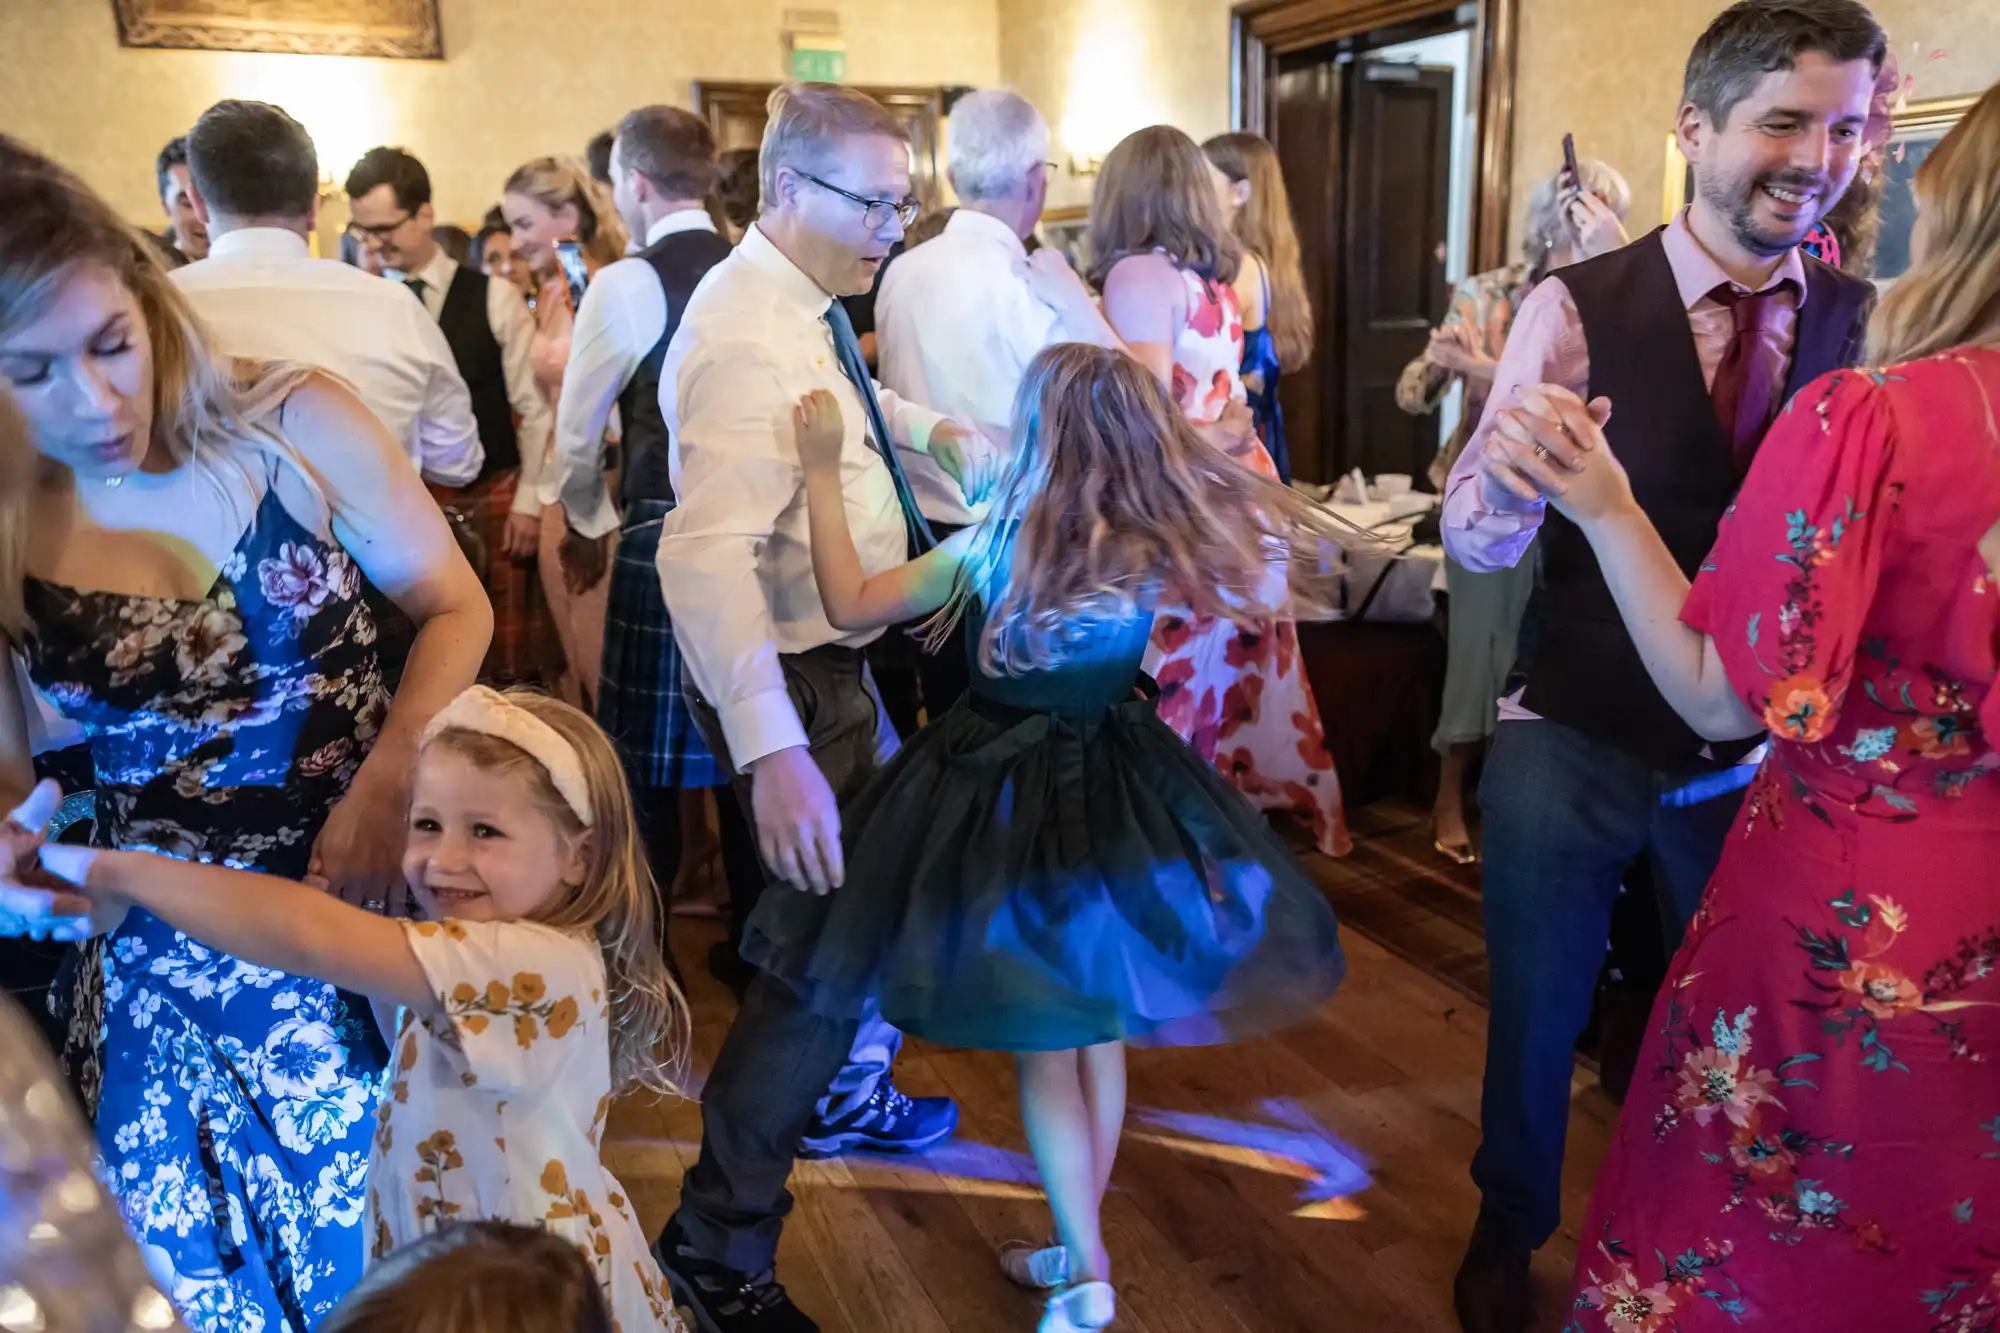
(663, 167)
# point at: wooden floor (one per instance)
(1314, 1180)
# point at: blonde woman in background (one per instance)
(545, 201)
(1566, 224)
(1271, 286)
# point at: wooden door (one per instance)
(735, 112)
(1305, 129)
(1392, 257)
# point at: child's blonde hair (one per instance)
(616, 901)
(1111, 492)
(477, 1277)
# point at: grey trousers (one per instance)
(782, 1066)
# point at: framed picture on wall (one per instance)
(1068, 231)
(1919, 126)
(389, 29)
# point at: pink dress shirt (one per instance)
(1485, 531)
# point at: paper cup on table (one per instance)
(1389, 485)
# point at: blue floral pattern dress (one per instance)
(231, 1100)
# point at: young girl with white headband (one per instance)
(533, 991)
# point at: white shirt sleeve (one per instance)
(738, 474)
(910, 425)
(514, 329)
(448, 447)
(623, 313)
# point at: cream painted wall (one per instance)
(521, 78)
(1099, 69)
(1611, 74)
(1608, 71)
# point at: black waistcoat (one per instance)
(1586, 673)
(679, 260)
(481, 364)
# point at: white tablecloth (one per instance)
(1414, 574)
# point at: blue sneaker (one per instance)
(888, 1122)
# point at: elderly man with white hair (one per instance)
(960, 316)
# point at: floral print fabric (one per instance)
(1814, 1138)
(230, 1099)
(1237, 692)
(496, 1109)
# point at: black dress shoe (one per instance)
(714, 1299)
(1491, 1290)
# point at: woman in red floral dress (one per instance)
(1164, 257)
(1814, 1139)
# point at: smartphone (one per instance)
(569, 254)
(1569, 162)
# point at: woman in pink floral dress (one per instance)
(1236, 691)
(1813, 1141)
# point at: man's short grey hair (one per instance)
(996, 138)
(808, 126)
(1547, 228)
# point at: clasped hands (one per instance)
(1549, 446)
(38, 901)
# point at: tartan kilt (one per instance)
(526, 649)
(640, 698)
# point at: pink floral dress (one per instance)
(1237, 692)
(1813, 1140)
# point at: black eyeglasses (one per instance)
(379, 235)
(875, 213)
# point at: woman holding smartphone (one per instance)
(552, 202)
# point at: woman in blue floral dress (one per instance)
(183, 550)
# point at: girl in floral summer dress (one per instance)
(532, 992)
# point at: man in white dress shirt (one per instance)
(256, 188)
(783, 696)
(491, 334)
(662, 164)
(960, 316)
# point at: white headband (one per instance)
(487, 712)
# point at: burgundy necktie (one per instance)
(1743, 389)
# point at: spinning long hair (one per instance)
(1951, 295)
(615, 902)
(1112, 494)
(1155, 192)
(53, 226)
(1263, 226)
(554, 182)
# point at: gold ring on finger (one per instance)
(1542, 451)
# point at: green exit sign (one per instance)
(819, 64)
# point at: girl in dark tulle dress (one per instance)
(1046, 868)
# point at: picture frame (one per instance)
(1919, 127)
(1068, 231)
(385, 29)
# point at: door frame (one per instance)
(1263, 30)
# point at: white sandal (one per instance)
(1038, 1268)
(1083, 1308)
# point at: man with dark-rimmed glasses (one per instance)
(783, 697)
